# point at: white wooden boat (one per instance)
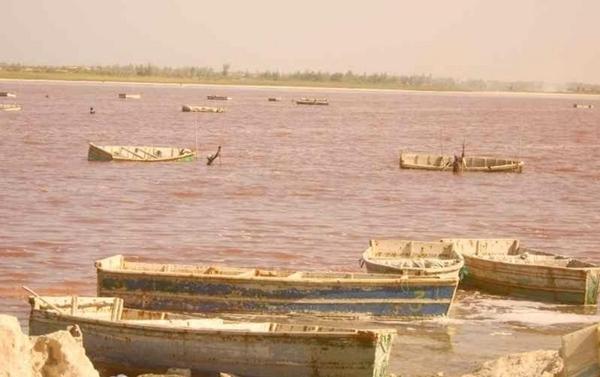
(130, 95)
(7, 94)
(312, 101)
(502, 266)
(218, 98)
(582, 106)
(138, 153)
(156, 340)
(201, 109)
(9, 107)
(414, 258)
(206, 289)
(444, 163)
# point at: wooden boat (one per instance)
(201, 109)
(9, 107)
(7, 94)
(133, 338)
(218, 98)
(274, 99)
(579, 352)
(502, 266)
(138, 153)
(129, 96)
(414, 258)
(582, 106)
(312, 101)
(441, 163)
(210, 289)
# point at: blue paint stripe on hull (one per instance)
(162, 303)
(199, 287)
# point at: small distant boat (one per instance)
(471, 164)
(201, 109)
(502, 266)
(312, 101)
(7, 94)
(113, 335)
(274, 99)
(582, 106)
(414, 258)
(218, 98)
(211, 289)
(9, 107)
(138, 153)
(130, 96)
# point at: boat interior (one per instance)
(509, 250)
(143, 152)
(111, 309)
(118, 262)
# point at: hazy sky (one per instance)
(549, 40)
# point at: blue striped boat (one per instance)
(210, 289)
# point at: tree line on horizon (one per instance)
(348, 78)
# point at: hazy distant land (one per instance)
(206, 75)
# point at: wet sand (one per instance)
(298, 187)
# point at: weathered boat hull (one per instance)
(9, 107)
(129, 96)
(376, 295)
(138, 154)
(313, 102)
(201, 109)
(472, 164)
(412, 258)
(241, 352)
(218, 98)
(565, 285)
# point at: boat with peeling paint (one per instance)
(414, 258)
(469, 164)
(211, 289)
(312, 101)
(138, 153)
(502, 266)
(133, 338)
(218, 98)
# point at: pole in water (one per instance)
(212, 157)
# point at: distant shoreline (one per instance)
(263, 84)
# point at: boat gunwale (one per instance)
(122, 159)
(389, 279)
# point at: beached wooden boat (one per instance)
(196, 288)
(274, 99)
(201, 109)
(133, 338)
(9, 107)
(7, 94)
(218, 98)
(415, 258)
(138, 153)
(502, 266)
(312, 101)
(130, 96)
(582, 106)
(478, 164)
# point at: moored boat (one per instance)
(312, 101)
(201, 109)
(218, 98)
(415, 258)
(197, 288)
(115, 335)
(583, 106)
(7, 94)
(502, 266)
(473, 164)
(130, 96)
(138, 153)
(274, 99)
(9, 107)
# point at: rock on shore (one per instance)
(528, 364)
(59, 354)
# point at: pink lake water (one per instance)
(301, 187)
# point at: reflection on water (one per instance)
(298, 187)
